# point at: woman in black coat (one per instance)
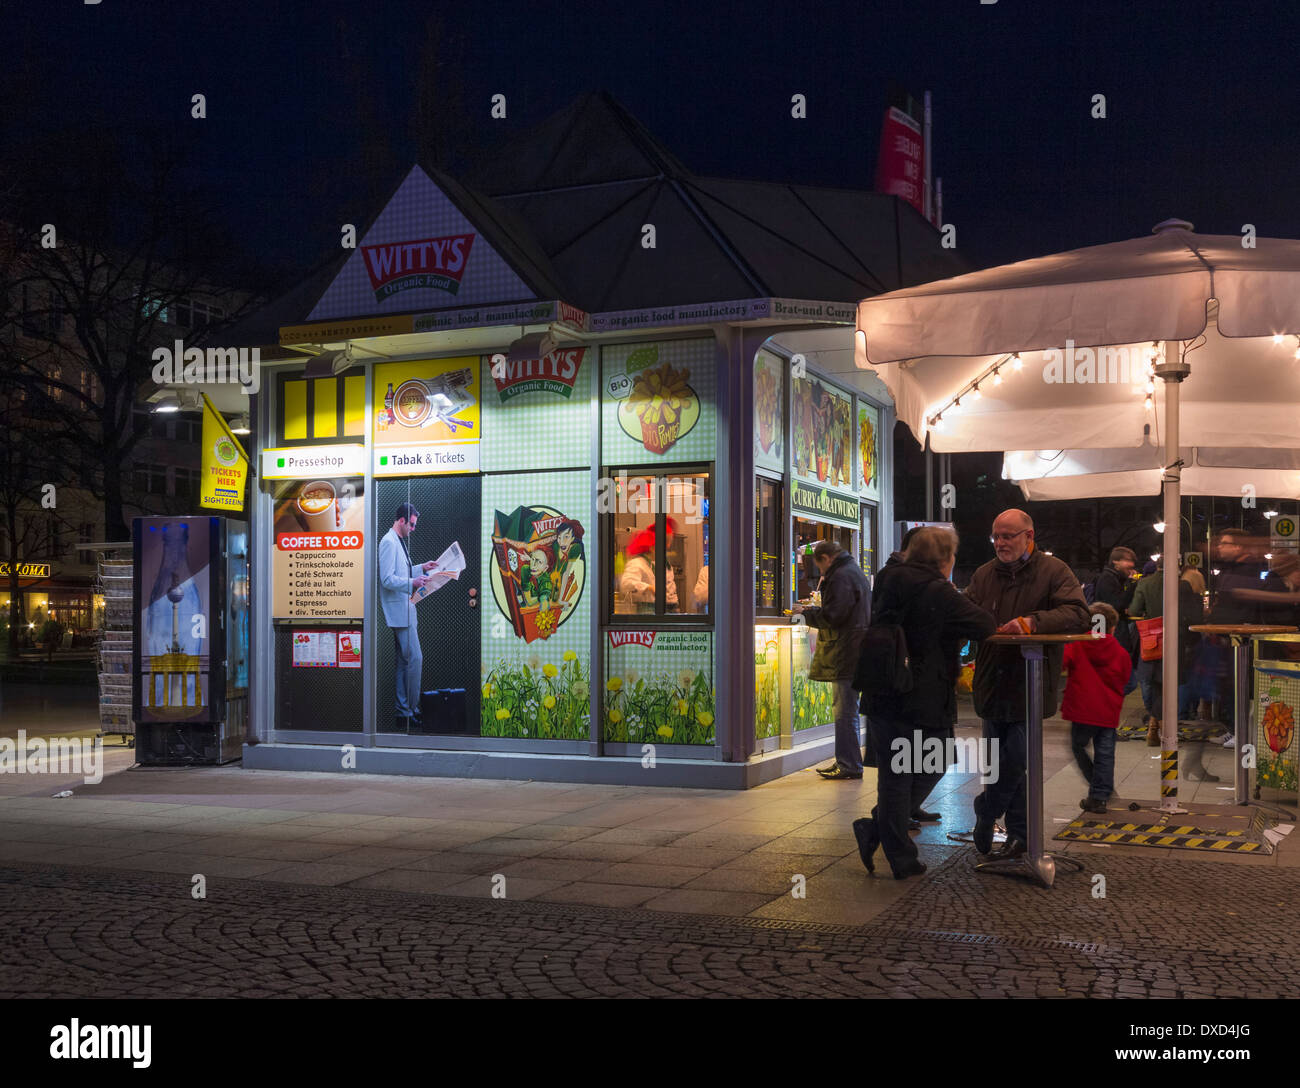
(936, 620)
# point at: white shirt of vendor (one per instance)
(638, 583)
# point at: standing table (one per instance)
(1035, 863)
(1241, 635)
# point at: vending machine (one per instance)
(191, 639)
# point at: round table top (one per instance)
(1242, 629)
(1014, 640)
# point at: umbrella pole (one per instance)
(1172, 369)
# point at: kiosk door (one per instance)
(447, 619)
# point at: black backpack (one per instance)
(885, 662)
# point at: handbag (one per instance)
(1152, 634)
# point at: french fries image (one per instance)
(659, 397)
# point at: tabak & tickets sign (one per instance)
(556, 373)
(539, 569)
(437, 263)
(428, 418)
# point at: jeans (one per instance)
(848, 745)
(1151, 677)
(1007, 794)
(898, 792)
(1099, 770)
(410, 670)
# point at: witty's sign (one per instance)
(818, 502)
(555, 374)
(430, 262)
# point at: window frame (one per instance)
(660, 618)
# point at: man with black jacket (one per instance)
(841, 621)
(1027, 592)
(1115, 584)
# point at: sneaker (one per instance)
(1230, 741)
(1092, 804)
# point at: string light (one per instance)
(975, 392)
(1016, 364)
(1151, 387)
(1147, 404)
(997, 377)
(1277, 338)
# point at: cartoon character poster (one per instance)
(769, 447)
(539, 568)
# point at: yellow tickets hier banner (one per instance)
(225, 464)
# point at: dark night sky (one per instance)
(1202, 99)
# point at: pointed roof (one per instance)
(561, 210)
(590, 176)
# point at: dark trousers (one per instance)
(899, 789)
(1006, 796)
(1099, 769)
(848, 741)
(1151, 677)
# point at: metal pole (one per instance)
(1172, 370)
(1241, 715)
(1043, 865)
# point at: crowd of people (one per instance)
(918, 621)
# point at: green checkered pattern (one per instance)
(766, 362)
(700, 444)
(653, 679)
(812, 697)
(506, 655)
(537, 430)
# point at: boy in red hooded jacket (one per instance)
(1098, 670)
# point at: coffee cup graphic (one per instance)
(317, 509)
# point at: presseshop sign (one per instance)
(309, 462)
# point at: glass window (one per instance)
(660, 543)
(806, 534)
(867, 540)
(767, 547)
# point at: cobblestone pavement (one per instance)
(1184, 929)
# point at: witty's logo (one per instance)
(437, 263)
(640, 638)
(556, 374)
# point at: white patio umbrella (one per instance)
(1057, 353)
(1047, 475)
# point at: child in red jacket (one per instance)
(1098, 670)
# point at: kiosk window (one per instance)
(767, 547)
(659, 536)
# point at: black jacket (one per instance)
(1044, 588)
(937, 619)
(1228, 608)
(841, 621)
(1112, 587)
